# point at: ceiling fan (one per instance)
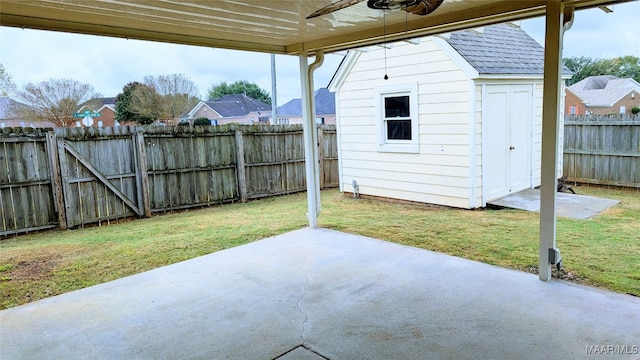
(417, 7)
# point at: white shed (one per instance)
(458, 122)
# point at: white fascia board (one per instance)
(343, 70)
(469, 70)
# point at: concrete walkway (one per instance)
(568, 205)
(322, 294)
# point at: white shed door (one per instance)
(507, 140)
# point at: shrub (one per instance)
(635, 110)
(202, 121)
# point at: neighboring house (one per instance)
(8, 117)
(237, 108)
(325, 101)
(457, 123)
(602, 95)
(106, 107)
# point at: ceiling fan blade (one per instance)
(423, 7)
(340, 4)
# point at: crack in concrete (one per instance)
(306, 317)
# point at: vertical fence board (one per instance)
(602, 149)
(77, 176)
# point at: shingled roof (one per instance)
(236, 105)
(7, 107)
(500, 49)
(325, 104)
(603, 90)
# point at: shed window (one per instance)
(398, 125)
(572, 110)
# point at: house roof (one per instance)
(236, 105)
(6, 104)
(325, 104)
(500, 49)
(603, 90)
(98, 103)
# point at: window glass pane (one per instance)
(396, 106)
(399, 129)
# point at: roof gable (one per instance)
(500, 49)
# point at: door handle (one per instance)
(512, 147)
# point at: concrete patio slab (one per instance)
(568, 205)
(317, 293)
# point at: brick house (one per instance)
(105, 106)
(602, 95)
(237, 108)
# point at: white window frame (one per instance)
(399, 146)
(572, 110)
(623, 109)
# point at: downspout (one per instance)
(319, 60)
(312, 165)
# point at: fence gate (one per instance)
(26, 187)
(100, 175)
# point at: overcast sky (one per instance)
(109, 63)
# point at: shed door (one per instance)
(507, 140)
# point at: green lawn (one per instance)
(603, 251)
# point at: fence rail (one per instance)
(65, 178)
(602, 149)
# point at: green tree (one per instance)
(137, 103)
(7, 86)
(177, 94)
(54, 100)
(239, 87)
(622, 67)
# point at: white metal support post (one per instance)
(310, 136)
(550, 130)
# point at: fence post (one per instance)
(142, 177)
(320, 156)
(64, 174)
(56, 181)
(242, 179)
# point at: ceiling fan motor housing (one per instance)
(417, 7)
(390, 4)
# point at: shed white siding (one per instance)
(439, 172)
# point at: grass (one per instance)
(603, 251)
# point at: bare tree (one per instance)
(177, 94)
(7, 86)
(54, 100)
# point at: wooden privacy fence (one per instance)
(67, 178)
(602, 149)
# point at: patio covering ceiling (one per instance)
(273, 26)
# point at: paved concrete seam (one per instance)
(306, 317)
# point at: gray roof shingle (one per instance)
(325, 104)
(602, 90)
(236, 105)
(7, 107)
(500, 49)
